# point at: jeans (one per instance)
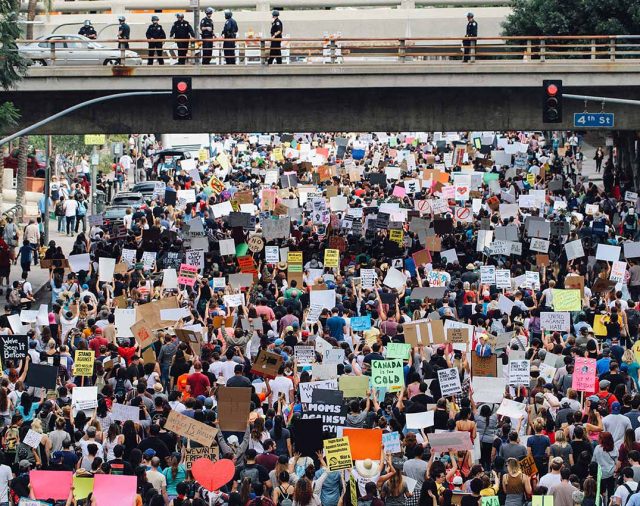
(164, 374)
(60, 223)
(83, 220)
(71, 221)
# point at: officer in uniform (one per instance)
(472, 31)
(155, 32)
(206, 32)
(276, 33)
(229, 33)
(88, 30)
(124, 33)
(181, 29)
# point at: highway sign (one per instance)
(95, 139)
(593, 120)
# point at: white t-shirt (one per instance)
(70, 207)
(67, 325)
(549, 480)
(622, 493)
(5, 478)
(280, 384)
(86, 442)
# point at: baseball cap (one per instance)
(593, 398)
(615, 408)
(605, 384)
(457, 480)
(24, 464)
(149, 453)
(278, 342)
(91, 431)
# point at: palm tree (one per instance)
(23, 147)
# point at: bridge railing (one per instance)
(335, 50)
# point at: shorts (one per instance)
(5, 271)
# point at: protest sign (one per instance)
(449, 381)
(337, 453)
(123, 412)
(32, 439)
(360, 323)
(309, 435)
(420, 420)
(106, 267)
(304, 354)
(398, 350)
(364, 443)
(391, 442)
(14, 348)
(52, 484)
(450, 441)
(528, 466)
(84, 398)
(332, 258)
(83, 362)
(143, 334)
(187, 275)
(353, 386)
(584, 374)
(519, 372)
(211, 453)
(267, 364)
(487, 389)
(306, 389)
(43, 376)
(483, 366)
(560, 321)
(328, 406)
(234, 405)
(512, 409)
(387, 373)
(566, 300)
(191, 429)
(114, 489)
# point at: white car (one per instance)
(73, 49)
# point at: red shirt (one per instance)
(198, 383)
(95, 344)
(126, 353)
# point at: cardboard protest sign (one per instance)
(449, 381)
(306, 389)
(14, 347)
(211, 453)
(150, 312)
(43, 376)
(420, 420)
(234, 405)
(528, 466)
(484, 366)
(267, 364)
(387, 373)
(338, 453)
(191, 429)
(364, 443)
(143, 334)
(83, 362)
(560, 321)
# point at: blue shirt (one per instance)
(336, 326)
(603, 365)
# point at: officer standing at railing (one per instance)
(276, 33)
(229, 33)
(181, 29)
(88, 30)
(124, 33)
(206, 32)
(155, 31)
(472, 31)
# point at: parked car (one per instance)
(167, 156)
(128, 199)
(36, 163)
(73, 49)
(146, 188)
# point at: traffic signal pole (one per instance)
(76, 107)
(603, 100)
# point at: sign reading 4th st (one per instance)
(593, 120)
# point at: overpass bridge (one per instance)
(348, 85)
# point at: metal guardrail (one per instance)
(337, 50)
(13, 211)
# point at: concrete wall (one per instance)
(346, 109)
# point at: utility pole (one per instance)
(95, 161)
(196, 22)
(47, 190)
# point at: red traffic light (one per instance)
(182, 86)
(552, 89)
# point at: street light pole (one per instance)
(94, 170)
(47, 190)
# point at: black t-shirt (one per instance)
(121, 467)
(169, 439)
(470, 500)
(156, 444)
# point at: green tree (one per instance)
(573, 17)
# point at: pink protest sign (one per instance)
(51, 484)
(448, 441)
(584, 374)
(111, 489)
(399, 191)
(187, 275)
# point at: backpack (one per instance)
(59, 209)
(284, 499)
(120, 390)
(12, 438)
(81, 210)
(251, 472)
(603, 403)
(14, 297)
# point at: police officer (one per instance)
(206, 32)
(155, 32)
(229, 33)
(472, 31)
(124, 33)
(88, 30)
(276, 33)
(181, 29)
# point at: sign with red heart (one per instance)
(213, 475)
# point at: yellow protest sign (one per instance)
(216, 185)
(82, 487)
(277, 154)
(599, 328)
(223, 160)
(83, 363)
(531, 179)
(396, 236)
(337, 453)
(332, 258)
(203, 154)
(294, 257)
(95, 139)
(566, 300)
(354, 386)
(636, 351)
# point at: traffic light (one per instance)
(181, 97)
(552, 101)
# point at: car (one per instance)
(166, 157)
(145, 188)
(73, 49)
(36, 163)
(128, 199)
